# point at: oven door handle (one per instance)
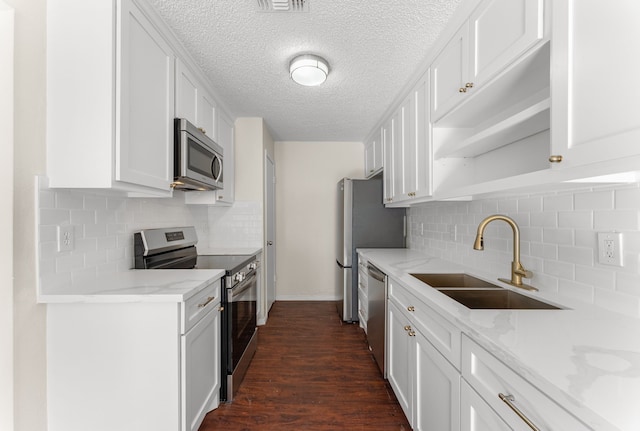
(236, 290)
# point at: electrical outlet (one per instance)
(66, 238)
(610, 248)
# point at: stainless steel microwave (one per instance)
(197, 159)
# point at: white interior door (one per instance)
(6, 216)
(270, 249)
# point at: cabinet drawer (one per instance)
(490, 378)
(443, 335)
(199, 304)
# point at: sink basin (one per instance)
(454, 281)
(496, 299)
(475, 293)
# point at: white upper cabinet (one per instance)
(110, 98)
(449, 72)
(194, 102)
(144, 147)
(387, 174)
(408, 160)
(497, 33)
(596, 102)
(373, 155)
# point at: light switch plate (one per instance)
(610, 248)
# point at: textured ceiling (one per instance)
(373, 48)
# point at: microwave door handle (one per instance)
(213, 162)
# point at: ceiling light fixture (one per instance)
(309, 70)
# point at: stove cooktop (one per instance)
(229, 263)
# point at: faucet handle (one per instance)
(523, 272)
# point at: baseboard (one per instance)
(306, 298)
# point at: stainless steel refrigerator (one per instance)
(363, 222)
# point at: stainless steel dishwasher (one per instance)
(376, 320)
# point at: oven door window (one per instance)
(242, 301)
(200, 159)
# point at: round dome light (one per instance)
(309, 70)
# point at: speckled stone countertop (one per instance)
(584, 357)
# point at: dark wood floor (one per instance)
(311, 372)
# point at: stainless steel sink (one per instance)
(496, 299)
(454, 281)
(475, 293)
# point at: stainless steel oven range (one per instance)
(175, 248)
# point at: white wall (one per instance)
(558, 240)
(6, 216)
(29, 160)
(307, 174)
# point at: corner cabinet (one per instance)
(135, 365)
(110, 98)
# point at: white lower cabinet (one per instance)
(426, 384)
(437, 391)
(475, 413)
(512, 399)
(399, 357)
(133, 366)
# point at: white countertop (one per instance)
(585, 358)
(137, 285)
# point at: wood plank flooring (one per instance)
(311, 372)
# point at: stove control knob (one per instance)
(253, 266)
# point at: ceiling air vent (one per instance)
(283, 5)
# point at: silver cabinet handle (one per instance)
(269, 242)
(509, 400)
(205, 303)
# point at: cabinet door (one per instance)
(397, 144)
(378, 156)
(424, 160)
(387, 174)
(200, 370)
(475, 414)
(449, 74)
(144, 143)
(400, 360)
(595, 102)
(207, 115)
(225, 138)
(501, 30)
(186, 93)
(369, 159)
(437, 391)
(409, 147)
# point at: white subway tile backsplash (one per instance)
(558, 236)
(627, 198)
(594, 200)
(575, 219)
(558, 240)
(558, 202)
(103, 229)
(528, 205)
(577, 255)
(620, 220)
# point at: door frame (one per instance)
(7, 47)
(270, 252)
